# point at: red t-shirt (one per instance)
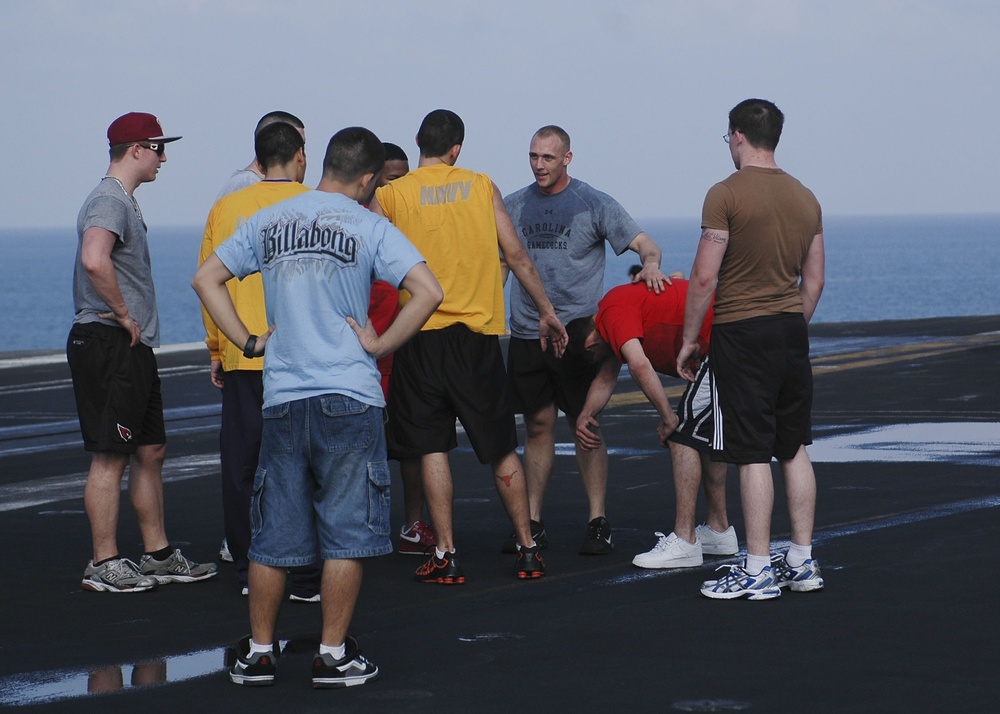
(635, 312)
(382, 310)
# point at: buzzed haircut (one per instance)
(394, 152)
(351, 153)
(759, 120)
(439, 131)
(556, 131)
(278, 116)
(578, 330)
(277, 144)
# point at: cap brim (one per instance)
(164, 139)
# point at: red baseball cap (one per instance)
(137, 126)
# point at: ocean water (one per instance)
(877, 268)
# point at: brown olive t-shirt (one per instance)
(771, 219)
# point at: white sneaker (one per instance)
(670, 551)
(715, 543)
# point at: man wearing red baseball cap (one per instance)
(115, 379)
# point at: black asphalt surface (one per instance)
(907, 432)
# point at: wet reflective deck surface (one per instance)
(907, 457)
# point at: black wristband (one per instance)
(248, 348)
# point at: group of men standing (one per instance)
(304, 449)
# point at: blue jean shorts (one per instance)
(322, 484)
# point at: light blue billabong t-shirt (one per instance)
(317, 254)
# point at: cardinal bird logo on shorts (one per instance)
(124, 432)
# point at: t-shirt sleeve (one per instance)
(395, 256)
(715, 211)
(107, 213)
(237, 253)
(618, 325)
(616, 225)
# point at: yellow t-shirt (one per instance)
(447, 213)
(228, 214)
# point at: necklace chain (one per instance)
(135, 204)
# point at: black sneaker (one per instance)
(446, 571)
(598, 540)
(352, 670)
(537, 532)
(529, 563)
(252, 670)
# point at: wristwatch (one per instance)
(248, 348)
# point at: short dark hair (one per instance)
(439, 131)
(556, 131)
(277, 144)
(118, 151)
(353, 152)
(759, 120)
(278, 116)
(578, 330)
(394, 152)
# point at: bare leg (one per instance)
(539, 455)
(800, 490)
(687, 464)
(102, 498)
(341, 585)
(413, 491)
(145, 487)
(267, 590)
(594, 473)
(714, 480)
(511, 485)
(439, 492)
(757, 497)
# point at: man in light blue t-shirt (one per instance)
(563, 223)
(322, 486)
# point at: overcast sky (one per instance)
(891, 106)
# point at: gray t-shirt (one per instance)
(239, 180)
(109, 207)
(564, 234)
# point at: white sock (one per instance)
(439, 553)
(756, 563)
(259, 649)
(798, 554)
(338, 652)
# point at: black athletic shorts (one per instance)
(695, 410)
(441, 375)
(763, 381)
(538, 379)
(117, 389)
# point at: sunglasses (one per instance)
(159, 147)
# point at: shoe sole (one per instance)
(94, 587)
(769, 594)
(167, 579)
(260, 680)
(342, 682)
(460, 580)
(533, 575)
(803, 586)
(672, 563)
(718, 551)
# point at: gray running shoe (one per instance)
(802, 579)
(120, 575)
(176, 569)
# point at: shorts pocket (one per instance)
(378, 497)
(257, 502)
(276, 433)
(348, 425)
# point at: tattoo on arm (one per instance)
(715, 236)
